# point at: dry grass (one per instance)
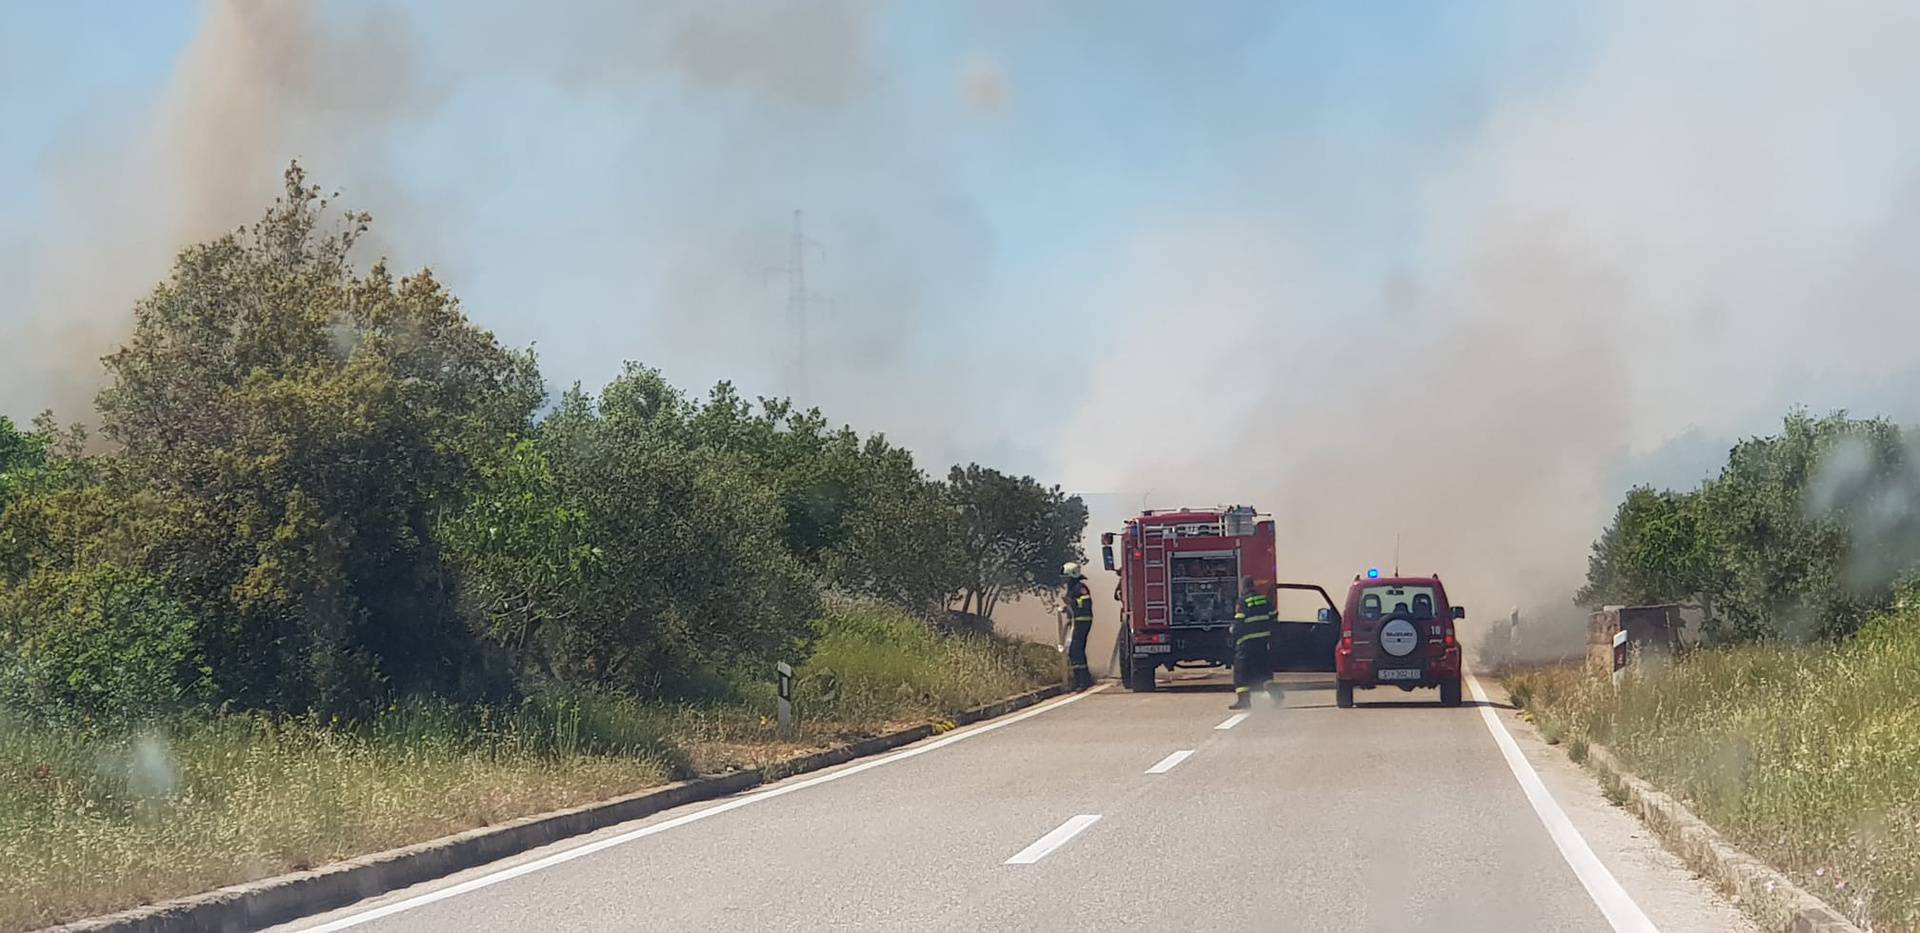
(1808, 757)
(91, 823)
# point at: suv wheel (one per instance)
(1450, 692)
(1343, 695)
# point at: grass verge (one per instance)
(99, 821)
(1807, 757)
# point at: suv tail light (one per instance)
(1346, 644)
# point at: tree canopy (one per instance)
(318, 486)
(1804, 533)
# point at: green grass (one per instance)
(101, 821)
(1808, 757)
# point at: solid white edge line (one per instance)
(1607, 894)
(1045, 845)
(1233, 720)
(558, 858)
(1170, 762)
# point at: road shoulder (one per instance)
(1673, 896)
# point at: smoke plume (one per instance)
(1713, 220)
(259, 84)
(1075, 240)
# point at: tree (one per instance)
(103, 644)
(1788, 551)
(22, 454)
(1014, 535)
(525, 554)
(299, 426)
(693, 573)
(901, 541)
(1657, 550)
(1803, 534)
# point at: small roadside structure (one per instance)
(1618, 634)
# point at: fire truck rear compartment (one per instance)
(1204, 588)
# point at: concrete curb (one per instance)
(283, 898)
(1764, 893)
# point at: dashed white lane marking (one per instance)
(1045, 845)
(1612, 899)
(1233, 720)
(505, 874)
(1170, 762)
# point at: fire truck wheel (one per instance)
(1343, 695)
(1140, 678)
(1450, 692)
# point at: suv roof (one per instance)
(1364, 580)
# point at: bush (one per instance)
(101, 644)
(873, 661)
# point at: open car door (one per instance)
(1303, 644)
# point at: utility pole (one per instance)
(797, 300)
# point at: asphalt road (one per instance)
(1395, 815)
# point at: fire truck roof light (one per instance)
(1373, 573)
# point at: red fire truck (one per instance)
(1180, 573)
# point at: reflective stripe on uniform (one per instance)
(1252, 635)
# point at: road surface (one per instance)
(1115, 810)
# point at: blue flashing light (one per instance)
(1373, 573)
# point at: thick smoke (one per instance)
(777, 105)
(259, 84)
(1714, 220)
(1711, 219)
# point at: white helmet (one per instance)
(1070, 568)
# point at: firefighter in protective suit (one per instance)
(1079, 607)
(1252, 644)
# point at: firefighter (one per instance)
(1252, 637)
(1079, 607)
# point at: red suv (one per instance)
(1398, 632)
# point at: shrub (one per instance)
(100, 644)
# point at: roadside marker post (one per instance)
(785, 671)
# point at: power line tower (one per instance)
(798, 298)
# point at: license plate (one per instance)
(1152, 649)
(1405, 673)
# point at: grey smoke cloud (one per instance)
(259, 84)
(1696, 231)
(1710, 218)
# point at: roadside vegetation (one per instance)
(1794, 726)
(332, 573)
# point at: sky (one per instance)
(1453, 273)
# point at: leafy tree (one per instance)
(1014, 535)
(525, 555)
(22, 455)
(1788, 559)
(300, 426)
(1657, 550)
(1802, 534)
(99, 644)
(901, 541)
(693, 571)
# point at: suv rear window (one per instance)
(1379, 602)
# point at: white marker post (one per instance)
(786, 697)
